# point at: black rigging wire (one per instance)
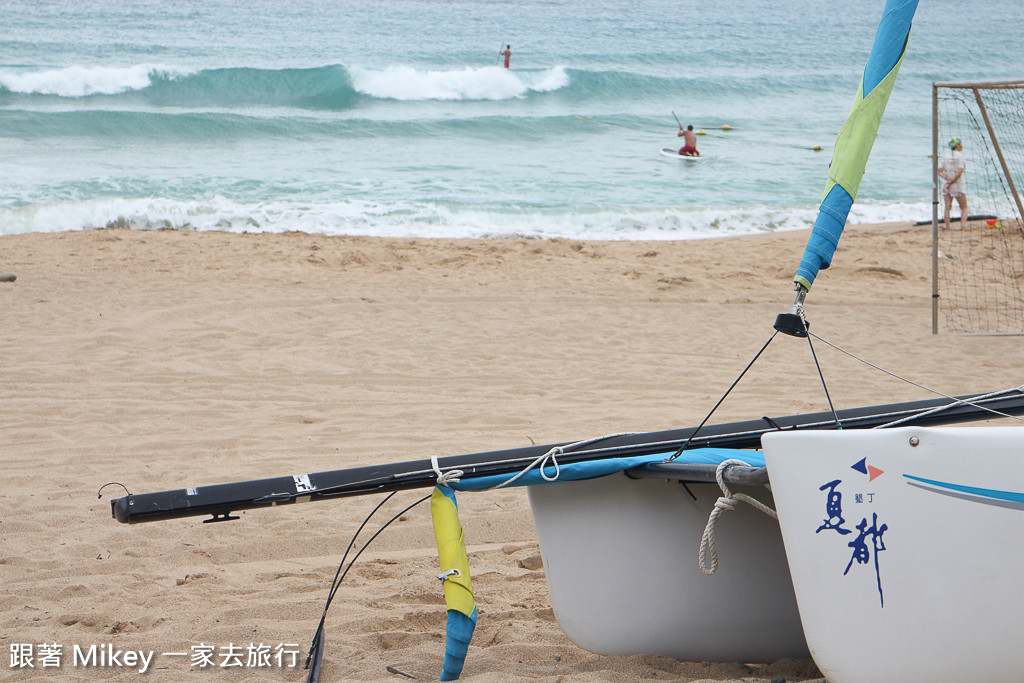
(817, 365)
(316, 646)
(99, 494)
(733, 386)
(336, 582)
(824, 385)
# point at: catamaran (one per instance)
(886, 547)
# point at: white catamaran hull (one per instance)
(906, 548)
(621, 558)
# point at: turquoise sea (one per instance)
(395, 117)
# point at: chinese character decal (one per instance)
(869, 542)
(862, 553)
(833, 509)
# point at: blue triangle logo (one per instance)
(861, 466)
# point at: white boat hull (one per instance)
(928, 583)
(621, 559)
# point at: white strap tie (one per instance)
(443, 478)
(726, 502)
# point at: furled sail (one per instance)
(854, 142)
(458, 587)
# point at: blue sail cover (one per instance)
(853, 145)
(600, 468)
(456, 644)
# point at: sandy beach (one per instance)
(164, 359)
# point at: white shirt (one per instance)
(952, 162)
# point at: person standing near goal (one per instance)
(952, 171)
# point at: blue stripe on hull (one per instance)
(1008, 499)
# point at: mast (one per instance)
(935, 209)
(851, 152)
(219, 501)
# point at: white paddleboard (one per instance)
(674, 153)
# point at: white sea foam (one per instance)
(550, 79)
(425, 219)
(80, 81)
(889, 212)
(483, 83)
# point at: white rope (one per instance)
(726, 502)
(541, 461)
(549, 458)
(443, 478)
(958, 402)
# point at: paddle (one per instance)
(677, 120)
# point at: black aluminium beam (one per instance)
(699, 473)
(220, 500)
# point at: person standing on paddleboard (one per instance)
(507, 54)
(690, 148)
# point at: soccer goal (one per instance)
(978, 260)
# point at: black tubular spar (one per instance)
(737, 475)
(220, 500)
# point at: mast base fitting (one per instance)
(791, 324)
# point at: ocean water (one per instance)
(395, 117)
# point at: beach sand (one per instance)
(167, 359)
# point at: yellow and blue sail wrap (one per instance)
(458, 587)
(451, 544)
(854, 142)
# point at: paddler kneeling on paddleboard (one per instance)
(690, 148)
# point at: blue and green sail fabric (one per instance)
(458, 587)
(854, 142)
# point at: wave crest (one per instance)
(483, 83)
(80, 81)
(325, 87)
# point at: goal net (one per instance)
(978, 260)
